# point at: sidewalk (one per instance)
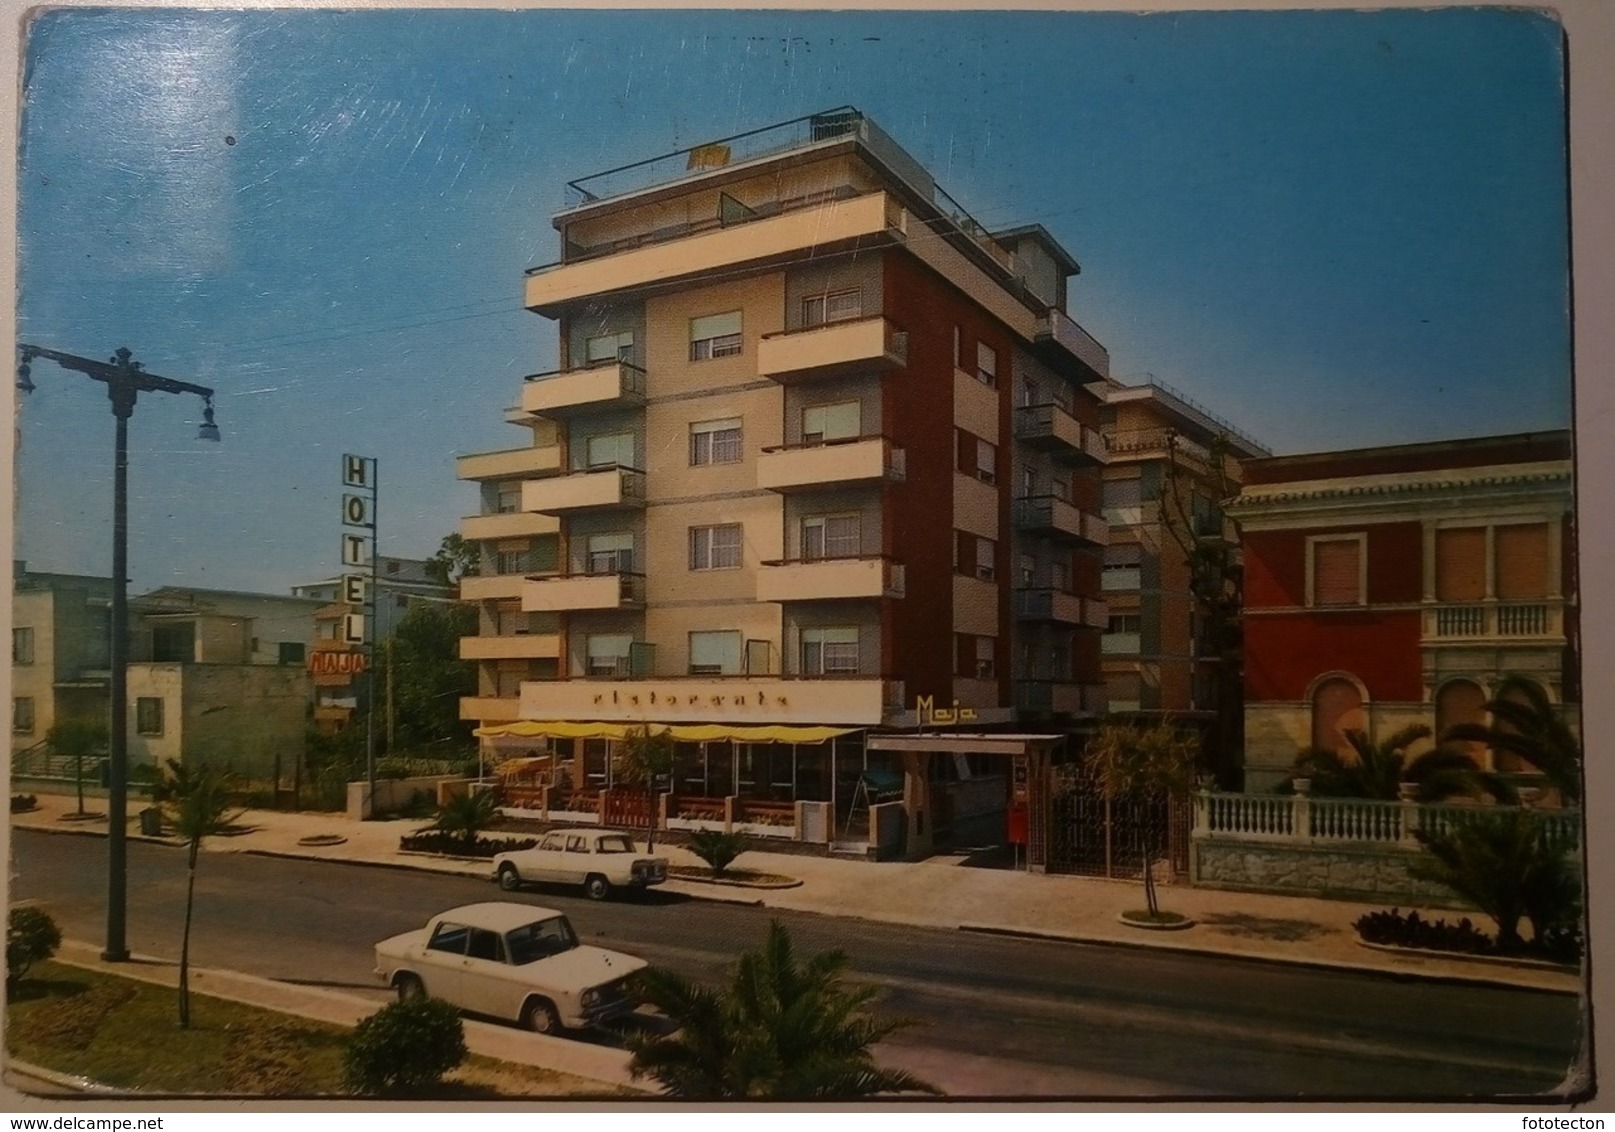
(942, 892)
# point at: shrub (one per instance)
(438, 841)
(717, 848)
(1397, 930)
(404, 1047)
(22, 803)
(31, 937)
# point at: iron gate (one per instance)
(1089, 836)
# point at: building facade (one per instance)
(61, 666)
(820, 454)
(1398, 585)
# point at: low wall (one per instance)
(1343, 871)
(393, 793)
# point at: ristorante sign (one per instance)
(826, 702)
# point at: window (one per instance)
(1121, 570)
(608, 654)
(450, 938)
(986, 364)
(609, 347)
(291, 652)
(614, 448)
(840, 421)
(1123, 635)
(149, 715)
(1522, 561)
(22, 715)
(508, 497)
(715, 336)
(715, 653)
(508, 682)
(1028, 575)
(827, 652)
(958, 348)
(986, 461)
(986, 553)
(836, 306)
(715, 548)
(1461, 564)
(510, 621)
(1060, 575)
(1336, 570)
(976, 656)
(174, 643)
(610, 553)
(1121, 495)
(510, 562)
(22, 646)
(1028, 483)
(715, 442)
(831, 536)
(1337, 707)
(485, 945)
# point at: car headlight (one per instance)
(590, 998)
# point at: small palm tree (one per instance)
(196, 801)
(1503, 863)
(782, 1030)
(1378, 770)
(1525, 724)
(1145, 764)
(468, 815)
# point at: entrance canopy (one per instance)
(954, 742)
(687, 733)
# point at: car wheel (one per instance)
(409, 987)
(595, 887)
(509, 879)
(539, 1016)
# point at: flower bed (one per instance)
(453, 845)
(1414, 933)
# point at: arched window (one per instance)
(1462, 701)
(1337, 707)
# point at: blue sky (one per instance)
(1332, 228)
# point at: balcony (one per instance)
(490, 709)
(507, 524)
(834, 463)
(1490, 622)
(570, 393)
(511, 463)
(598, 489)
(1060, 330)
(1053, 429)
(829, 579)
(1059, 697)
(1060, 607)
(492, 587)
(820, 226)
(517, 646)
(566, 592)
(833, 350)
(1060, 519)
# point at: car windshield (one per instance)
(540, 939)
(614, 844)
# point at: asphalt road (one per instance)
(994, 1016)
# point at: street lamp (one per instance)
(125, 379)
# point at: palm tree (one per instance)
(468, 815)
(1503, 863)
(1378, 770)
(197, 803)
(782, 1030)
(77, 738)
(1145, 764)
(643, 760)
(1525, 724)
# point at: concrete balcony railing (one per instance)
(828, 579)
(498, 709)
(1058, 518)
(492, 587)
(511, 463)
(1051, 428)
(507, 524)
(835, 463)
(1059, 697)
(1044, 603)
(598, 489)
(566, 592)
(517, 646)
(820, 227)
(568, 393)
(832, 350)
(1063, 331)
(1495, 620)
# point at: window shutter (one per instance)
(1522, 561)
(1461, 564)
(1335, 572)
(714, 325)
(1123, 493)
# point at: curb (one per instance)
(1475, 980)
(68, 1081)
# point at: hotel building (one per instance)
(820, 463)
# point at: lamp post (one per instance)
(125, 380)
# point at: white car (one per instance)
(600, 860)
(511, 961)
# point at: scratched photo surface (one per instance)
(834, 555)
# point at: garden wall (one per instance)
(1372, 873)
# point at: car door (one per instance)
(577, 863)
(546, 858)
(442, 966)
(486, 983)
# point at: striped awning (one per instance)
(683, 732)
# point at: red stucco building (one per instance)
(1397, 585)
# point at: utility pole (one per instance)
(125, 380)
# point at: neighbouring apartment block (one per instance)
(61, 666)
(1397, 585)
(820, 459)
